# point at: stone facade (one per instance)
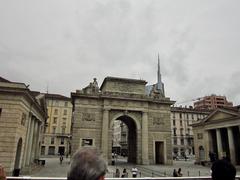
(182, 119)
(218, 135)
(56, 138)
(147, 118)
(22, 118)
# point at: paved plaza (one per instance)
(53, 168)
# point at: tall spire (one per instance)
(159, 78)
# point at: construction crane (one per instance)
(188, 101)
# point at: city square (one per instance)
(120, 89)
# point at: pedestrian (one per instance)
(61, 159)
(134, 172)
(124, 173)
(179, 173)
(87, 164)
(2, 173)
(223, 170)
(175, 174)
(117, 174)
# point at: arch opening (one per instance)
(124, 140)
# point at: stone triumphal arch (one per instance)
(144, 109)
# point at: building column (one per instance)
(219, 144)
(210, 140)
(33, 148)
(30, 143)
(231, 145)
(145, 159)
(38, 148)
(26, 150)
(105, 124)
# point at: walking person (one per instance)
(61, 159)
(117, 173)
(179, 173)
(134, 172)
(175, 174)
(124, 173)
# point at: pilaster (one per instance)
(145, 159)
(105, 124)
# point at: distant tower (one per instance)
(160, 85)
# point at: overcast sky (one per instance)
(65, 44)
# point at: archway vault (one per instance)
(133, 135)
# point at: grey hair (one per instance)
(87, 164)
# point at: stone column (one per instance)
(105, 124)
(219, 144)
(145, 159)
(231, 145)
(210, 140)
(30, 143)
(38, 148)
(33, 149)
(26, 149)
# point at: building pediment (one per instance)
(220, 114)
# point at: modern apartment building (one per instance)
(182, 134)
(212, 102)
(56, 139)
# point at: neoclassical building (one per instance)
(22, 119)
(218, 133)
(147, 116)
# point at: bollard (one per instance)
(188, 173)
(165, 174)
(199, 173)
(140, 174)
(152, 174)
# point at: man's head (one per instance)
(223, 170)
(87, 164)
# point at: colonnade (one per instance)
(225, 142)
(31, 149)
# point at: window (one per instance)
(174, 131)
(192, 116)
(64, 123)
(43, 139)
(174, 122)
(53, 129)
(54, 120)
(187, 115)
(55, 111)
(65, 112)
(180, 115)
(66, 104)
(63, 129)
(175, 141)
(64, 119)
(0, 112)
(52, 140)
(62, 140)
(182, 141)
(180, 122)
(56, 103)
(174, 115)
(181, 131)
